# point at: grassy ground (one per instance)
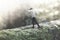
(30, 34)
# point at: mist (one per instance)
(14, 11)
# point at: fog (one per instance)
(10, 10)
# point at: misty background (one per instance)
(14, 13)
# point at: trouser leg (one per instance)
(33, 22)
(36, 22)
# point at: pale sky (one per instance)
(10, 5)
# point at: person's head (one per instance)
(30, 8)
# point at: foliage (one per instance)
(29, 34)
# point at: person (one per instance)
(33, 15)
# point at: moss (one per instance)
(27, 34)
(44, 33)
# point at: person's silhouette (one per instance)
(33, 15)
